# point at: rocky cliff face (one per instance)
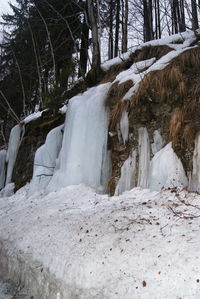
(153, 102)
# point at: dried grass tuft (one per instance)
(111, 186)
(189, 134)
(176, 124)
(116, 113)
(149, 52)
(189, 59)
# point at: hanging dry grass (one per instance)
(117, 92)
(111, 186)
(176, 124)
(185, 123)
(116, 113)
(182, 89)
(149, 52)
(196, 89)
(112, 73)
(188, 59)
(189, 134)
(157, 86)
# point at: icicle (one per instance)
(128, 173)
(2, 168)
(166, 170)
(45, 160)
(106, 168)
(158, 142)
(144, 157)
(84, 141)
(124, 126)
(16, 136)
(194, 184)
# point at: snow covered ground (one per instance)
(8, 291)
(75, 243)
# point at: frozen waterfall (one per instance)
(84, 158)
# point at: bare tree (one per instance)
(117, 25)
(125, 6)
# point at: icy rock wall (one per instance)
(194, 184)
(45, 160)
(15, 138)
(2, 168)
(84, 158)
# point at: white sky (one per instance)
(4, 6)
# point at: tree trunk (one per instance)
(84, 49)
(117, 28)
(148, 20)
(110, 40)
(182, 19)
(195, 24)
(124, 26)
(96, 57)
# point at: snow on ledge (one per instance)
(172, 41)
(32, 117)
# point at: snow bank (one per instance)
(16, 136)
(166, 170)
(78, 244)
(45, 160)
(84, 147)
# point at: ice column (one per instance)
(158, 142)
(84, 147)
(144, 157)
(45, 160)
(2, 168)
(124, 126)
(16, 136)
(128, 175)
(194, 184)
